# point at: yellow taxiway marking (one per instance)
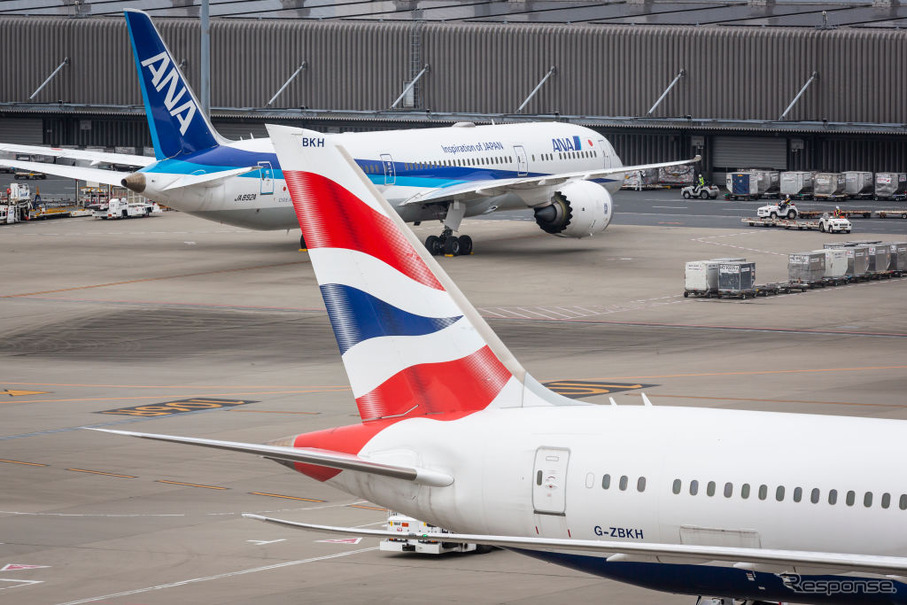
(151, 279)
(85, 470)
(363, 506)
(190, 484)
(21, 462)
(286, 497)
(13, 393)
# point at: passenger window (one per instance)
(886, 500)
(850, 498)
(763, 492)
(867, 499)
(903, 502)
(538, 478)
(623, 483)
(798, 494)
(745, 491)
(710, 488)
(606, 481)
(779, 493)
(641, 484)
(677, 485)
(728, 490)
(832, 496)
(814, 495)
(694, 489)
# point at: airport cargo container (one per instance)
(797, 184)
(701, 276)
(836, 263)
(859, 185)
(743, 184)
(891, 186)
(857, 257)
(879, 258)
(898, 251)
(769, 182)
(676, 176)
(829, 185)
(806, 267)
(736, 278)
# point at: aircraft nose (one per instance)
(135, 182)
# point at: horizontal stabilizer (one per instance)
(211, 178)
(792, 561)
(312, 456)
(108, 177)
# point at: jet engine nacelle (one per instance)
(578, 209)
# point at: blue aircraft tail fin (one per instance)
(177, 124)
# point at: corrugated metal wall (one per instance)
(732, 73)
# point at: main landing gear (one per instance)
(448, 244)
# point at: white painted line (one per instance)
(20, 583)
(514, 313)
(18, 566)
(490, 312)
(263, 542)
(536, 313)
(127, 593)
(341, 540)
(555, 312)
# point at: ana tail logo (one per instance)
(158, 65)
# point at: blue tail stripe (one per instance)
(357, 316)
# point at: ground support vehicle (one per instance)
(778, 210)
(704, 192)
(122, 208)
(421, 537)
(824, 224)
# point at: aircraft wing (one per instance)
(108, 177)
(744, 558)
(498, 187)
(95, 157)
(306, 455)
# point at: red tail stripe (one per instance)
(332, 217)
(464, 385)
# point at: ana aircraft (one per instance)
(759, 506)
(565, 173)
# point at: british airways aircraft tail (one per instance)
(177, 124)
(411, 344)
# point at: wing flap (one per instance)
(312, 456)
(792, 561)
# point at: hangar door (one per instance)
(737, 153)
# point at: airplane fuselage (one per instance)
(662, 475)
(402, 164)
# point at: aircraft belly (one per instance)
(739, 583)
(261, 219)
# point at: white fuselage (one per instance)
(402, 164)
(755, 475)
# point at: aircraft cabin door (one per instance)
(522, 161)
(390, 175)
(266, 178)
(605, 149)
(549, 484)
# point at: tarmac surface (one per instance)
(107, 323)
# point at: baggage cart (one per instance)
(806, 267)
(858, 185)
(829, 186)
(797, 184)
(891, 186)
(737, 279)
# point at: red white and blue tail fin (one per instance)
(412, 345)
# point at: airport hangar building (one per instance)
(782, 85)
